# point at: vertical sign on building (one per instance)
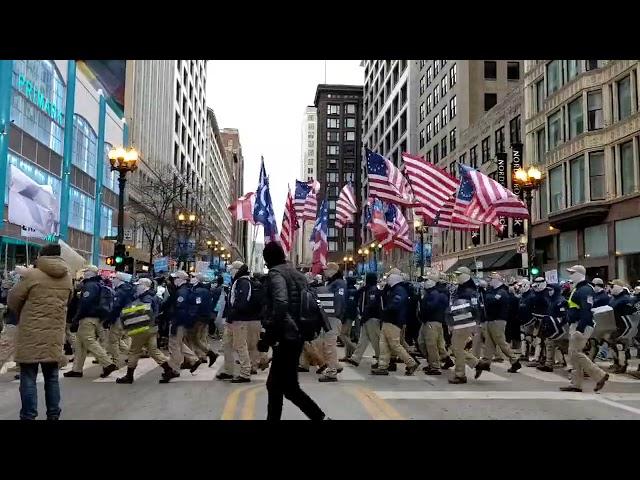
(501, 177)
(516, 164)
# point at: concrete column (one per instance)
(68, 149)
(97, 216)
(6, 69)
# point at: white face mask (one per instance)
(179, 282)
(495, 283)
(524, 287)
(598, 288)
(116, 282)
(89, 274)
(463, 278)
(429, 284)
(576, 278)
(551, 292)
(140, 289)
(194, 281)
(539, 286)
(616, 290)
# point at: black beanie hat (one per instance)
(273, 254)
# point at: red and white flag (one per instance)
(378, 221)
(305, 200)
(346, 207)
(432, 186)
(398, 233)
(386, 181)
(459, 221)
(289, 224)
(242, 208)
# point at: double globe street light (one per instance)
(528, 180)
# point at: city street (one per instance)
(496, 395)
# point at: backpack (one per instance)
(372, 303)
(105, 301)
(312, 318)
(256, 302)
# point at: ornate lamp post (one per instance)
(186, 220)
(528, 181)
(421, 229)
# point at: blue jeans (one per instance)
(29, 390)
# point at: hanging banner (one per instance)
(501, 178)
(516, 164)
(31, 205)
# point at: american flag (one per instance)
(386, 181)
(364, 221)
(346, 207)
(398, 233)
(491, 200)
(305, 200)
(453, 212)
(242, 208)
(378, 222)
(289, 224)
(263, 209)
(319, 244)
(432, 186)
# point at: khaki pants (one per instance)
(118, 344)
(494, 337)
(7, 343)
(476, 342)
(459, 338)
(234, 339)
(197, 340)
(103, 336)
(70, 337)
(579, 361)
(369, 334)
(550, 348)
(433, 337)
(390, 343)
(254, 327)
(148, 340)
(345, 338)
(87, 341)
(330, 347)
(179, 351)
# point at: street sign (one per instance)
(128, 234)
(551, 276)
(522, 248)
(161, 264)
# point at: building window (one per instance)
(351, 108)
(556, 188)
(576, 120)
(39, 175)
(596, 175)
(333, 123)
(540, 145)
(576, 170)
(443, 146)
(499, 140)
(429, 76)
(436, 154)
(445, 115)
(84, 146)
(428, 156)
(422, 111)
(81, 208)
(333, 150)
(350, 122)
(436, 95)
(349, 177)
(436, 124)
(490, 70)
(573, 69)
(453, 75)
(331, 137)
(490, 100)
(428, 103)
(624, 98)
(592, 64)
(333, 246)
(422, 138)
(106, 222)
(596, 241)
(423, 84)
(332, 177)
(568, 246)
(554, 76)
(452, 106)
(555, 129)
(311, 126)
(350, 136)
(627, 170)
(542, 196)
(594, 110)
(513, 70)
(333, 109)
(429, 132)
(109, 178)
(473, 156)
(485, 150)
(514, 130)
(443, 85)
(452, 139)
(436, 67)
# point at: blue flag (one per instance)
(263, 209)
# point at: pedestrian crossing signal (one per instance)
(111, 261)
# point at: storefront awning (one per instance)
(504, 260)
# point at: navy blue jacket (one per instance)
(370, 299)
(338, 287)
(202, 298)
(351, 307)
(580, 305)
(395, 305)
(240, 309)
(123, 296)
(524, 306)
(150, 297)
(622, 305)
(601, 299)
(558, 306)
(183, 310)
(89, 301)
(468, 291)
(497, 303)
(433, 306)
(538, 303)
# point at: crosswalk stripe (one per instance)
(533, 373)
(496, 395)
(350, 373)
(203, 374)
(61, 371)
(486, 376)
(145, 365)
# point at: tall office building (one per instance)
(582, 129)
(339, 153)
(308, 170)
(235, 161)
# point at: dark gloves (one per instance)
(74, 327)
(106, 324)
(263, 346)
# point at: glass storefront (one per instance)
(628, 249)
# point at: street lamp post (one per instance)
(186, 220)
(528, 181)
(421, 229)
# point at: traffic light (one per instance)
(111, 261)
(535, 271)
(119, 252)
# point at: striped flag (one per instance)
(305, 200)
(446, 218)
(242, 208)
(289, 224)
(263, 208)
(346, 207)
(431, 185)
(319, 243)
(386, 181)
(378, 222)
(491, 200)
(398, 233)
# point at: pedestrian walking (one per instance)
(40, 301)
(332, 298)
(119, 342)
(370, 310)
(181, 314)
(433, 307)
(198, 334)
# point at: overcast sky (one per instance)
(265, 101)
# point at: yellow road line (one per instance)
(369, 405)
(249, 408)
(231, 404)
(389, 411)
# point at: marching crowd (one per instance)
(449, 321)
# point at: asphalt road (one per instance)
(528, 394)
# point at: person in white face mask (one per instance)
(601, 297)
(118, 342)
(581, 325)
(431, 334)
